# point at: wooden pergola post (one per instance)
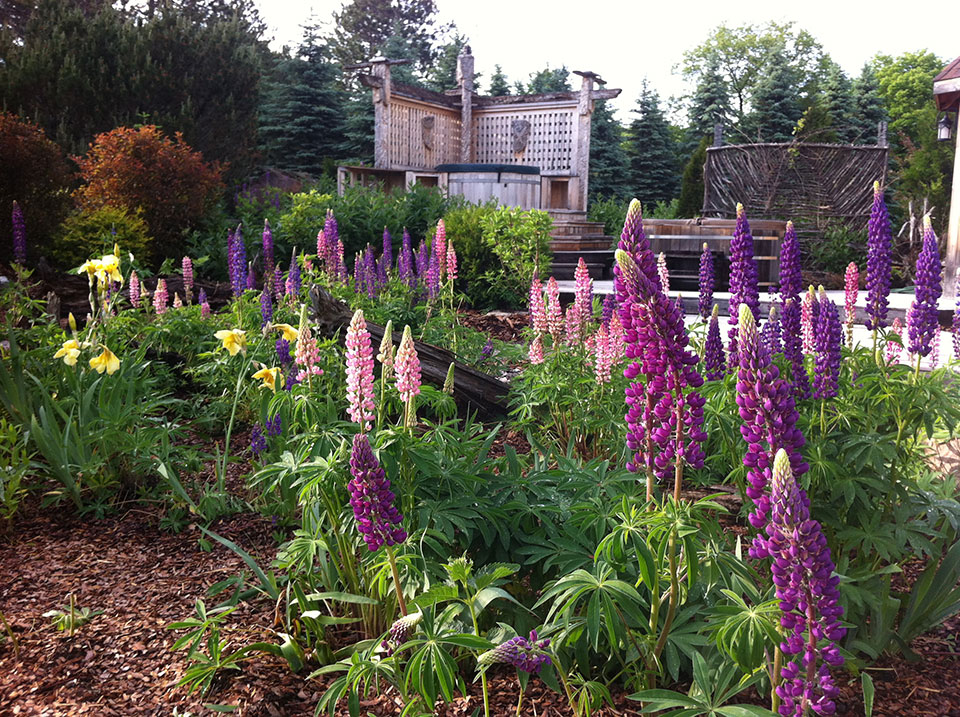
(465, 78)
(946, 93)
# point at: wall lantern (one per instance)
(944, 127)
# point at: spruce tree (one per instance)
(499, 87)
(651, 151)
(836, 99)
(608, 160)
(691, 186)
(868, 107)
(710, 104)
(443, 75)
(547, 80)
(776, 104)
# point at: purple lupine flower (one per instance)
(274, 426)
(387, 254)
(925, 316)
(433, 277)
(771, 331)
(406, 268)
(955, 327)
(251, 277)
(268, 263)
(793, 347)
(19, 235)
(769, 422)
(714, 358)
(340, 266)
(331, 238)
(284, 357)
(294, 281)
(266, 307)
(258, 443)
(609, 306)
(423, 260)
(278, 288)
(378, 519)
(707, 281)
(238, 262)
(744, 288)
(487, 351)
(527, 654)
(879, 261)
(803, 573)
(370, 272)
(382, 272)
(657, 343)
(791, 275)
(204, 304)
(829, 337)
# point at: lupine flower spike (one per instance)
(19, 236)
(307, 353)
(407, 367)
(538, 309)
(266, 307)
(554, 312)
(134, 289)
(955, 327)
(536, 350)
(771, 331)
(895, 348)
(359, 359)
(160, 297)
(527, 654)
(177, 302)
(440, 250)
(663, 272)
(204, 304)
(851, 286)
(387, 255)
(707, 279)
(744, 288)
(603, 357)
(879, 262)
(829, 336)
(791, 284)
(378, 519)
(583, 292)
(714, 359)
(807, 320)
(925, 317)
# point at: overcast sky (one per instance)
(625, 41)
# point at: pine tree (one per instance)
(303, 109)
(651, 151)
(691, 186)
(868, 107)
(836, 100)
(547, 80)
(608, 160)
(443, 75)
(817, 124)
(358, 128)
(710, 104)
(776, 104)
(499, 87)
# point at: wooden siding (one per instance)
(550, 146)
(406, 146)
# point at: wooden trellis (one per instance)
(815, 185)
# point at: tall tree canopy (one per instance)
(710, 103)
(499, 86)
(651, 151)
(776, 104)
(608, 160)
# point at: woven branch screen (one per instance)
(815, 185)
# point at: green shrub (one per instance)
(474, 256)
(611, 211)
(87, 232)
(520, 240)
(835, 249)
(300, 224)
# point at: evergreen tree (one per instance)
(303, 109)
(817, 124)
(651, 152)
(358, 128)
(710, 104)
(836, 99)
(691, 186)
(868, 107)
(398, 47)
(547, 80)
(776, 104)
(499, 86)
(443, 75)
(608, 160)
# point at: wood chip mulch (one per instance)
(500, 325)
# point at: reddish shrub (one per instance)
(141, 170)
(33, 172)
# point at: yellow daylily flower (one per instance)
(234, 340)
(110, 267)
(105, 362)
(69, 352)
(289, 333)
(269, 376)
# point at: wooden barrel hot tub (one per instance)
(512, 185)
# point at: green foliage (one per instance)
(608, 160)
(776, 103)
(690, 202)
(93, 232)
(70, 618)
(651, 152)
(710, 104)
(611, 211)
(520, 241)
(475, 256)
(14, 464)
(499, 86)
(835, 249)
(869, 109)
(546, 80)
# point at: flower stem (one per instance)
(775, 680)
(396, 581)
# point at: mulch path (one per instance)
(500, 325)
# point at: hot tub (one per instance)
(512, 185)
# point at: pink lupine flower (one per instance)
(554, 312)
(894, 349)
(617, 338)
(321, 246)
(407, 367)
(935, 348)
(574, 325)
(451, 262)
(134, 290)
(187, 265)
(160, 297)
(583, 291)
(603, 361)
(440, 248)
(663, 272)
(359, 359)
(806, 320)
(536, 350)
(538, 310)
(177, 302)
(307, 354)
(851, 285)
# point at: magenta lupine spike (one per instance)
(160, 297)
(266, 307)
(790, 323)
(791, 276)
(851, 287)
(806, 587)
(525, 654)
(583, 291)
(879, 261)
(378, 519)
(134, 290)
(538, 309)
(321, 248)
(714, 358)
(603, 355)
(663, 272)
(359, 361)
(807, 320)
(407, 367)
(187, 267)
(451, 261)
(925, 316)
(268, 258)
(744, 287)
(617, 343)
(771, 331)
(635, 243)
(387, 255)
(307, 354)
(707, 282)
(769, 423)
(535, 353)
(433, 277)
(895, 348)
(829, 336)
(554, 312)
(19, 235)
(440, 250)
(406, 267)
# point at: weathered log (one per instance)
(474, 391)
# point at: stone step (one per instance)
(572, 244)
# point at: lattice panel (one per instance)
(406, 140)
(550, 144)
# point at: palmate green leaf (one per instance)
(436, 594)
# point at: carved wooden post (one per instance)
(953, 225)
(465, 80)
(380, 69)
(582, 159)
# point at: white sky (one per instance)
(624, 41)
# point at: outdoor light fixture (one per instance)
(944, 127)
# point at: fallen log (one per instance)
(474, 391)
